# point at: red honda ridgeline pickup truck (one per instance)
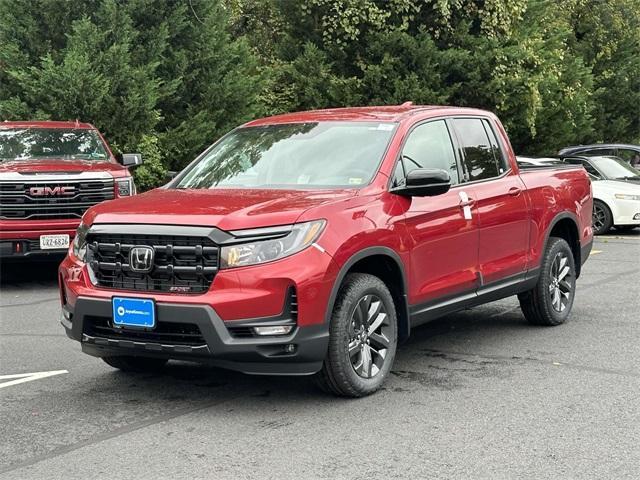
(50, 173)
(313, 242)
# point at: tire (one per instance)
(136, 364)
(602, 219)
(362, 303)
(625, 228)
(549, 302)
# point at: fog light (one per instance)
(274, 330)
(636, 216)
(290, 348)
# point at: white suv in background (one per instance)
(616, 193)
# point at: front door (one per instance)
(443, 228)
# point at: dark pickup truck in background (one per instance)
(313, 242)
(50, 174)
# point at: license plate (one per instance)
(133, 312)
(51, 242)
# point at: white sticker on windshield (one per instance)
(385, 126)
(303, 179)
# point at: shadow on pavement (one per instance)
(184, 382)
(27, 273)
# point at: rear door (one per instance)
(443, 228)
(500, 199)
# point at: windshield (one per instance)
(614, 168)
(298, 155)
(58, 143)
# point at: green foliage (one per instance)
(137, 69)
(168, 77)
(556, 72)
(152, 173)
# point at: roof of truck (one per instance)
(45, 124)
(391, 113)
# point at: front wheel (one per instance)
(601, 219)
(362, 338)
(550, 301)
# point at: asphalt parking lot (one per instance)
(478, 394)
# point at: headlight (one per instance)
(624, 196)
(291, 239)
(80, 242)
(125, 187)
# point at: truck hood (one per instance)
(56, 165)
(227, 209)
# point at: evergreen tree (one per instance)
(139, 70)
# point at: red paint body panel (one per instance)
(444, 247)
(503, 212)
(443, 254)
(28, 229)
(227, 209)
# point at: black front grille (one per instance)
(52, 199)
(171, 333)
(182, 264)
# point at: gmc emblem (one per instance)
(51, 191)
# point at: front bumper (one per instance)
(626, 212)
(216, 346)
(21, 239)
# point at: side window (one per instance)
(477, 152)
(399, 175)
(498, 154)
(599, 152)
(589, 168)
(429, 146)
(628, 155)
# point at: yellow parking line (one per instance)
(617, 237)
(595, 252)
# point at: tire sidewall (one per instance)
(556, 245)
(608, 217)
(340, 332)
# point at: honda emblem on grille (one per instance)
(47, 191)
(141, 259)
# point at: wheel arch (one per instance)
(565, 225)
(385, 264)
(609, 205)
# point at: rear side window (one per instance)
(479, 154)
(429, 146)
(499, 157)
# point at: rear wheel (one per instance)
(362, 338)
(550, 301)
(135, 364)
(601, 219)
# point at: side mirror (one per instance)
(131, 160)
(425, 182)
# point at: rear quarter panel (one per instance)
(552, 193)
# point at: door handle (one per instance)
(465, 204)
(465, 201)
(514, 191)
